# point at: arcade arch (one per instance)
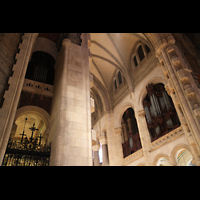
(181, 156)
(25, 118)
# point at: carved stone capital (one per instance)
(118, 131)
(96, 147)
(103, 140)
(66, 42)
(141, 113)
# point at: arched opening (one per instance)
(115, 84)
(135, 61)
(27, 145)
(147, 49)
(120, 78)
(130, 133)
(41, 68)
(163, 162)
(184, 158)
(160, 112)
(140, 53)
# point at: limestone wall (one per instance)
(9, 43)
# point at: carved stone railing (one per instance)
(166, 138)
(132, 157)
(38, 87)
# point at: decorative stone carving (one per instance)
(103, 140)
(118, 131)
(96, 147)
(197, 112)
(182, 75)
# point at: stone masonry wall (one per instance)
(9, 43)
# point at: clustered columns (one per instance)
(96, 147)
(181, 86)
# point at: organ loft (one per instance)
(99, 99)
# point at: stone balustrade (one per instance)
(38, 87)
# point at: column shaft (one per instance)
(70, 130)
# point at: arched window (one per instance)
(41, 68)
(120, 78)
(147, 48)
(115, 84)
(140, 53)
(135, 61)
(160, 112)
(131, 138)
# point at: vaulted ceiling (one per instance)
(111, 51)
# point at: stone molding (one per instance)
(166, 138)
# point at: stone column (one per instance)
(70, 129)
(143, 132)
(144, 135)
(103, 141)
(119, 150)
(95, 149)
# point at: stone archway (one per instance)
(175, 151)
(33, 115)
(159, 157)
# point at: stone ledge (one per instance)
(38, 87)
(166, 138)
(132, 157)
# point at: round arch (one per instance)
(46, 45)
(141, 164)
(176, 150)
(35, 110)
(158, 157)
(143, 92)
(121, 112)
